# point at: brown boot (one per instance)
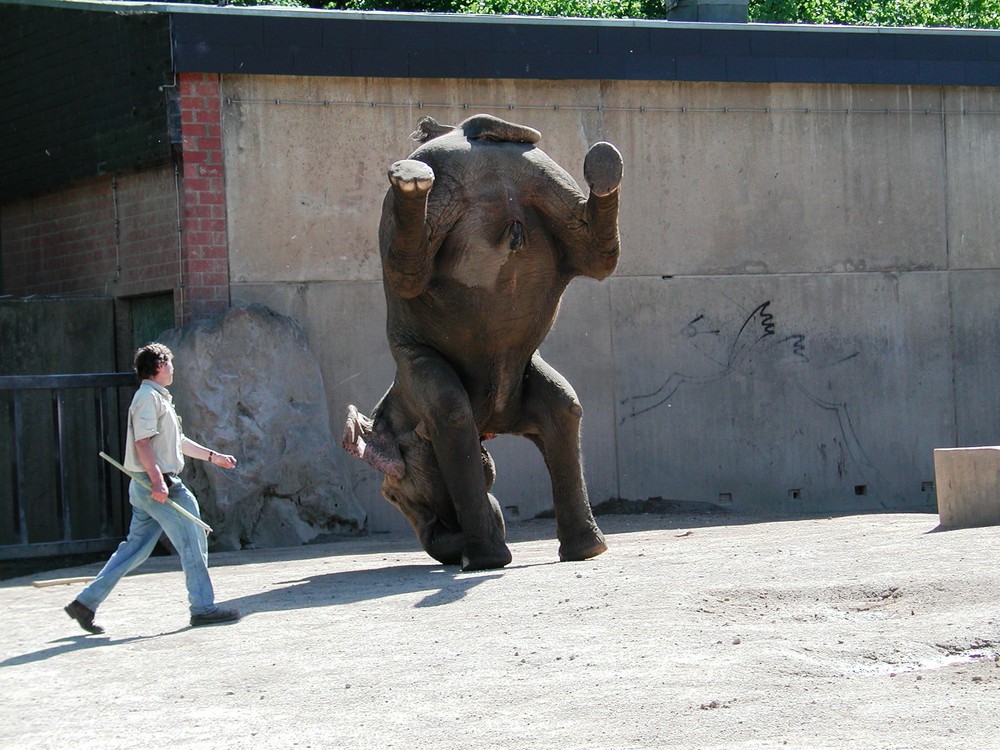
(217, 617)
(84, 615)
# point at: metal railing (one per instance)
(62, 498)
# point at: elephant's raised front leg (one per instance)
(550, 418)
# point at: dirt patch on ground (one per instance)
(690, 632)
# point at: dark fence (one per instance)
(59, 497)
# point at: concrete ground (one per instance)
(873, 631)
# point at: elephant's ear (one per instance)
(428, 128)
(490, 128)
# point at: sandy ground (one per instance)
(691, 632)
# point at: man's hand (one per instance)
(147, 458)
(224, 460)
(160, 493)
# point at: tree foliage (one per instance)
(974, 14)
(568, 8)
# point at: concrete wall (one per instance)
(806, 304)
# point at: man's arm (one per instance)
(196, 450)
(147, 458)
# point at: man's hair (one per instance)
(148, 358)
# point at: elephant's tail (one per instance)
(477, 128)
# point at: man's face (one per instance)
(165, 373)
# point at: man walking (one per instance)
(155, 448)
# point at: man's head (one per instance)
(149, 358)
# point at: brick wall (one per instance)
(60, 243)
(117, 235)
(206, 244)
(106, 236)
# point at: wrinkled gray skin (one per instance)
(480, 234)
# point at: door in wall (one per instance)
(150, 316)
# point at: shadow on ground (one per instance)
(614, 516)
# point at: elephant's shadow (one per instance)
(443, 585)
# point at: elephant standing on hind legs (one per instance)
(480, 234)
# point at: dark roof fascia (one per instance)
(397, 45)
(287, 41)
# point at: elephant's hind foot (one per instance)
(411, 177)
(583, 546)
(602, 168)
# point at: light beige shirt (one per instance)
(152, 415)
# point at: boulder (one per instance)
(246, 383)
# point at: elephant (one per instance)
(480, 234)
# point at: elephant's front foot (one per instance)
(485, 555)
(582, 545)
(452, 548)
(481, 553)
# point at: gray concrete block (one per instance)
(968, 486)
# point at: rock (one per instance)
(246, 383)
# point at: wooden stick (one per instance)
(144, 483)
(61, 581)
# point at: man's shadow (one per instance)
(443, 585)
(77, 643)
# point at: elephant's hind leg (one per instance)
(551, 419)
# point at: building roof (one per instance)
(455, 46)
(87, 87)
(283, 41)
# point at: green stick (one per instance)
(142, 482)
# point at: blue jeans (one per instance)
(149, 519)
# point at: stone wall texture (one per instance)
(246, 383)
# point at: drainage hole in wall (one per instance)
(725, 498)
(927, 486)
(513, 510)
(861, 489)
(795, 494)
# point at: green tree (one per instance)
(572, 8)
(970, 14)
(974, 14)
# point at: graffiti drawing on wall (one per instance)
(754, 346)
